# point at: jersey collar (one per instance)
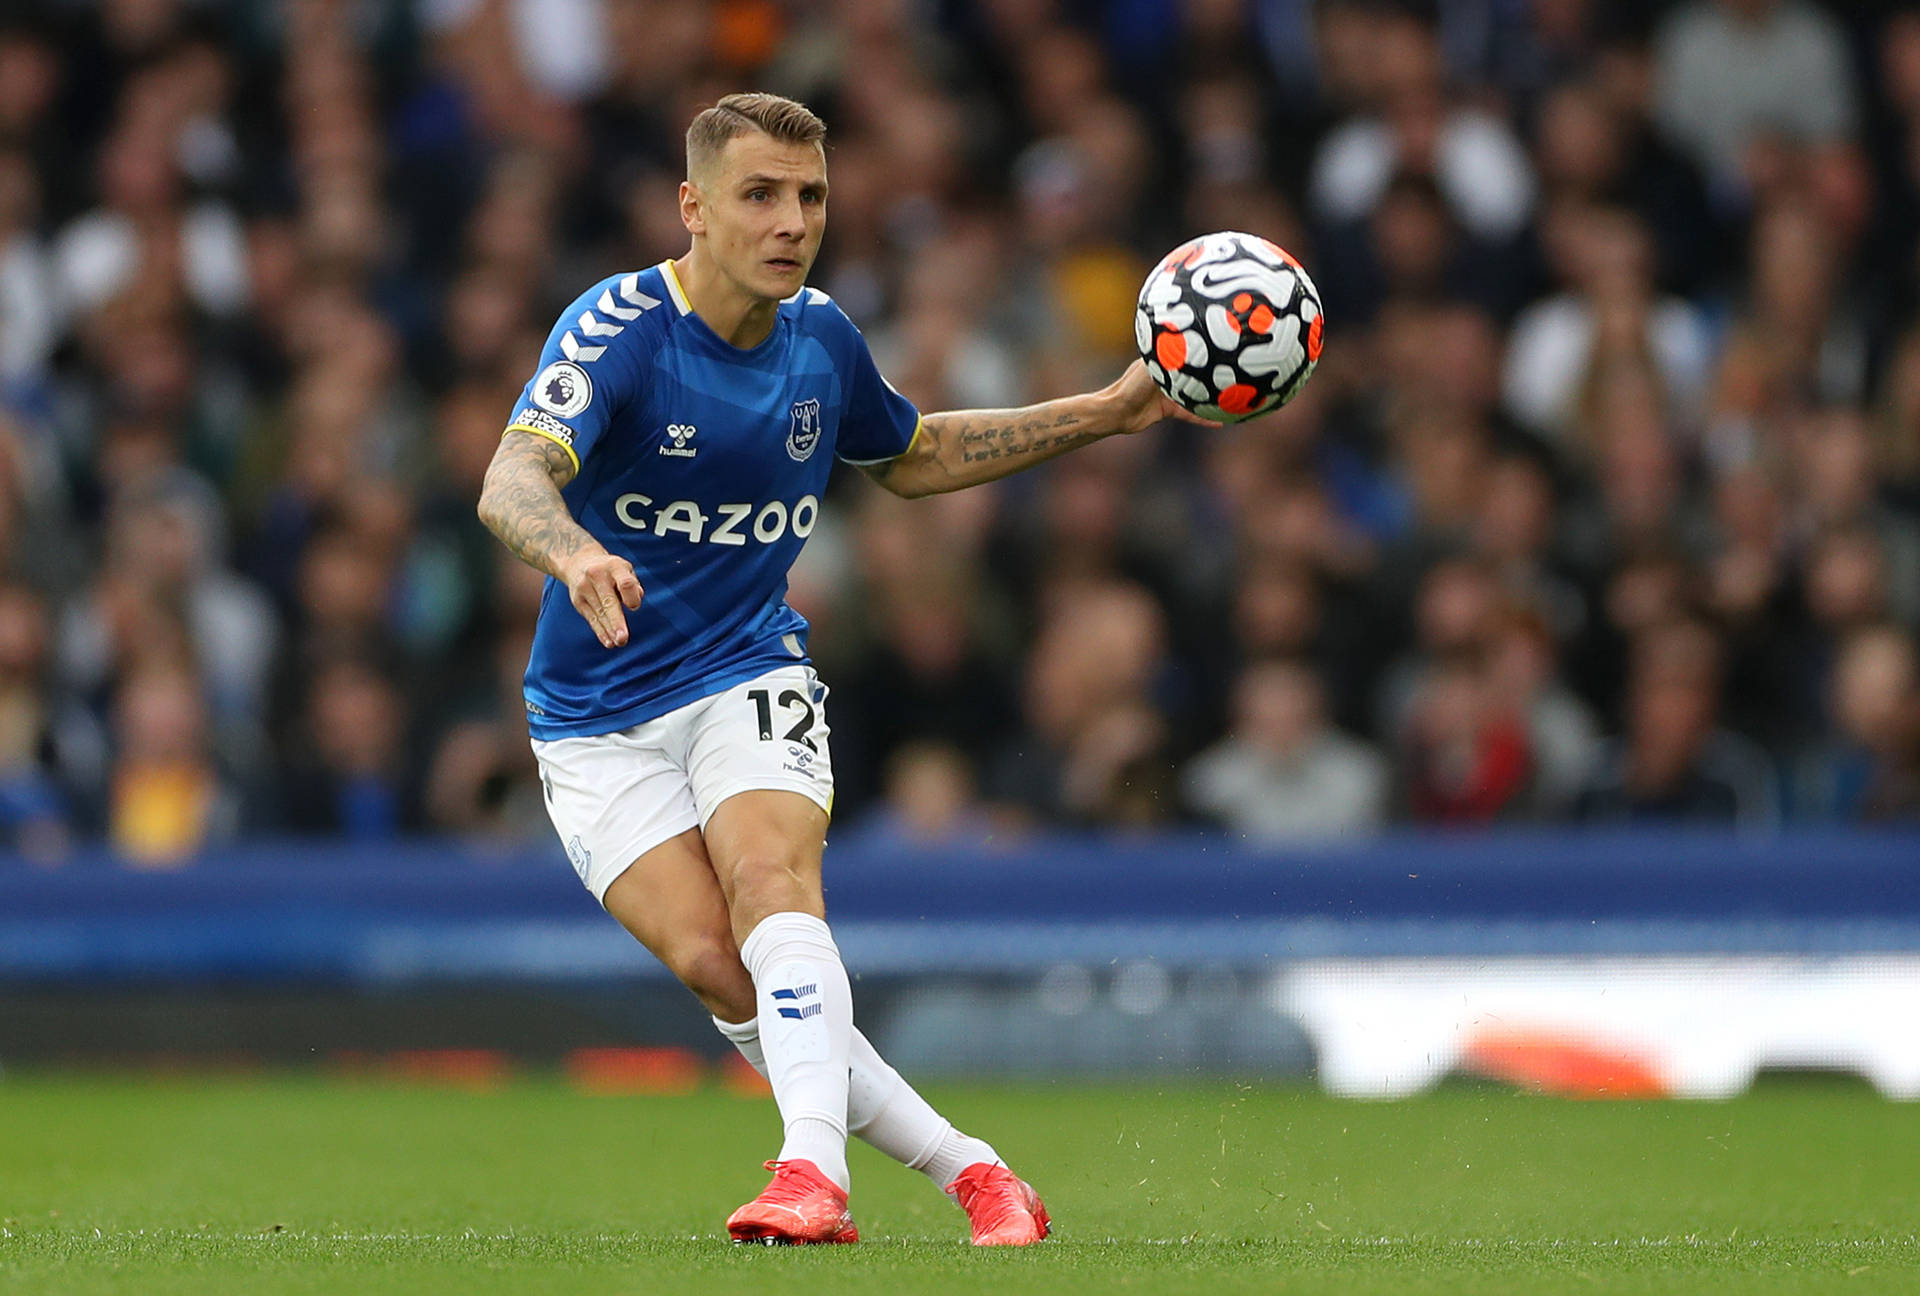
(674, 290)
(704, 331)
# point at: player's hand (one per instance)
(603, 589)
(1141, 404)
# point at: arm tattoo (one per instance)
(521, 501)
(967, 447)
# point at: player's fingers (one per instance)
(596, 601)
(587, 604)
(629, 586)
(610, 614)
(1187, 415)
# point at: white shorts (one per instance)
(613, 797)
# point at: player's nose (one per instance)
(793, 220)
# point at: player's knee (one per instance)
(710, 967)
(772, 882)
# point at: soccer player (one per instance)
(664, 467)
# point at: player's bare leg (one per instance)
(889, 1115)
(670, 901)
(766, 847)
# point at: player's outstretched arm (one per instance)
(966, 447)
(520, 502)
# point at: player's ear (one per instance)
(692, 214)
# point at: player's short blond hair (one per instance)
(786, 120)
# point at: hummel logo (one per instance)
(680, 434)
(801, 1014)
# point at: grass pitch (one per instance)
(305, 1184)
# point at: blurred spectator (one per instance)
(1792, 344)
(1410, 247)
(1284, 772)
(1289, 517)
(1675, 763)
(1838, 486)
(487, 330)
(169, 797)
(1733, 72)
(561, 45)
(1596, 146)
(145, 239)
(31, 314)
(928, 677)
(349, 774)
(1411, 125)
(1610, 309)
(1751, 591)
(1453, 619)
(1844, 589)
(446, 572)
(1281, 609)
(482, 782)
(32, 74)
(1526, 50)
(928, 798)
(1562, 733)
(344, 598)
(162, 583)
(1747, 571)
(1096, 746)
(37, 543)
(1463, 750)
(1516, 536)
(36, 816)
(1082, 519)
(942, 354)
(1869, 768)
(1638, 494)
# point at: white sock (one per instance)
(806, 1007)
(890, 1114)
(885, 1111)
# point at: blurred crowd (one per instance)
(1604, 505)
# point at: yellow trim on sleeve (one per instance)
(542, 432)
(919, 421)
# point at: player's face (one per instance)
(763, 212)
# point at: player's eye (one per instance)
(757, 195)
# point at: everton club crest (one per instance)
(804, 434)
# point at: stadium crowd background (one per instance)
(1604, 504)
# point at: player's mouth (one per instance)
(784, 265)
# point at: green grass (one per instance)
(304, 1184)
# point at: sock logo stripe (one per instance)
(801, 1014)
(798, 992)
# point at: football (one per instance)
(1229, 325)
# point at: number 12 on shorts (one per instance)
(788, 700)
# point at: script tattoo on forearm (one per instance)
(521, 502)
(967, 447)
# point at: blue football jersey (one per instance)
(703, 465)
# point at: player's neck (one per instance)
(739, 318)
